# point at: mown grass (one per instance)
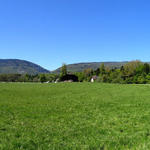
(69, 116)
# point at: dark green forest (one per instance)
(134, 72)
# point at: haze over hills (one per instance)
(78, 67)
(20, 66)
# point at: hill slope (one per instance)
(20, 66)
(93, 65)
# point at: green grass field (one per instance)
(76, 116)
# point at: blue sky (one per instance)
(52, 32)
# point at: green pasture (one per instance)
(74, 116)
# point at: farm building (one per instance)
(94, 78)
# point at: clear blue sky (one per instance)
(52, 32)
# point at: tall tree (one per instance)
(146, 68)
(64, 70)
(102, 69)
(88, 72)
(133, 67)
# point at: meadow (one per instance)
(66, 116)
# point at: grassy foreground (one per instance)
(74, 116)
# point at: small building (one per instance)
(94, 78)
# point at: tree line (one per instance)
(135, 72)
(28, 78)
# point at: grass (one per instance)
(74, 116)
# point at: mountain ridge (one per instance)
(78, 67)
(18, 66)
(8, 66)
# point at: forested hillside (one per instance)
(79, 67)
(8, 66)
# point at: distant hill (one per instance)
(78, 67)
(20, 66)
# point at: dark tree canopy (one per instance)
(67, 77)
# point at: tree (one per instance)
(70, 77)
(122, 69)
(146, 68)
(88, 74)
(133, 67)
(97, 71)
(102, 69)
(42, 78)
(80, 76)
(64, 70)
